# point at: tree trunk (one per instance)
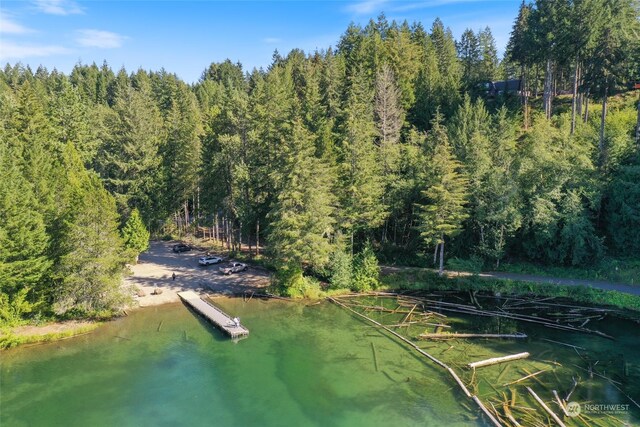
(257, 237)
(384, 231)
(227, 237)
(352, 233)
(525, 96)
(435, 254)
(198, 204)
(586, 107)
(580, 94)
(535, 88)
(548, 87)
(603, 117)
(215, 228)
(186, 216)
(574, 100)
(395, 232)
(441, 270)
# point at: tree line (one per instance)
(387, 146)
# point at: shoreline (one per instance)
(28, 335)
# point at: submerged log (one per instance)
(375, 356)
(509, 415)
(456, 335)
(524, 378)
(560, 403)
(430, 357)
(496, 360)
(486, 411)
(546, 408)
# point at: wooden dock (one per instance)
(213, 314)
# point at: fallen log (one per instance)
(496, 360)
(430, 357)
(560, 403)
(524, 378)
(546, 408)
(486, 411)
(510, 416)
(456, 335)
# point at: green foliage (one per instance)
(14, 306)
(128, 161)
(290, 281)
(366, 271)
(328, 150)
(624, 270)
(446, 195)
(135, 235)
(340, 270)
(90, 262)
(302, 216)
(427, 280)
(23, 242)
(474, 264)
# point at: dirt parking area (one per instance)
(157, 265)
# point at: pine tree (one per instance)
(129, 160)
(73, 120)
(389, 117)
(23, 243)
(366, 271)
(360, 170)
(519, 51)
(135, 235)
(469, 54)
(181, 149)
(489, 61)
(90, 258)
(302, 218)
(615, 43)
(446, 193)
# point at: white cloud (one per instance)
(58, 7)
(366, 6)
(10, 27)
(272, 40)
(99, 39)
(10, 50)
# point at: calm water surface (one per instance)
(301, 366)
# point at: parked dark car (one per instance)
(181, 247)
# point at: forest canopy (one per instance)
(400, 143)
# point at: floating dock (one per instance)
(213, 314)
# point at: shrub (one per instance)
(340, 270)
(366, 271)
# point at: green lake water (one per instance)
(301, 366)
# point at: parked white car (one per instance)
(209, 259)
(234, 267)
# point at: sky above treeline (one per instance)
(184, 37)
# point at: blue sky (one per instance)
(184, 37)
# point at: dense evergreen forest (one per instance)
(391, 145)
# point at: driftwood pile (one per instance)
(512, 403)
